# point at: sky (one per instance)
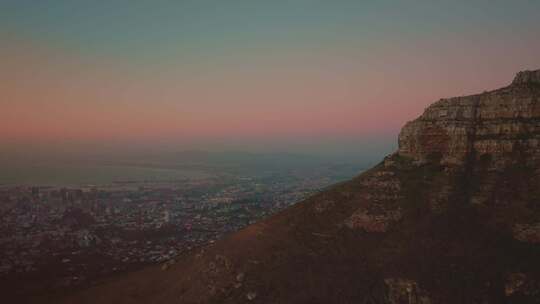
(336, 78)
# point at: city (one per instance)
(57, 237)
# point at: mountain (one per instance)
(452, 217)
(236, 162)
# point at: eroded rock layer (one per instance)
(502, 126)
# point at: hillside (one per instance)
(452, 217)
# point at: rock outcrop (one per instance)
(452, 217)
(502, 126)
(527, 78)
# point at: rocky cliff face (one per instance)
(502, 126)
(494, 137)
(452, 217)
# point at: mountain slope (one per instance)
(452, 217)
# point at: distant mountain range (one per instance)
(241, 159)
(169, 166)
